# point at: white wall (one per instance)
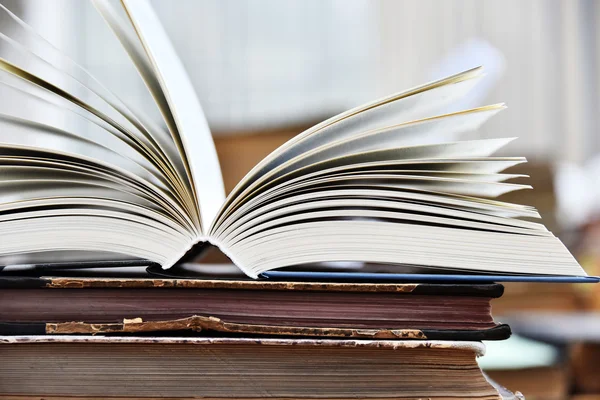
(551, 49)
(273, 62)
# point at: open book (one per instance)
(385, 182)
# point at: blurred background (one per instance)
(264, 70)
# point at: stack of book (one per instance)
(143, 337)
(385, 187)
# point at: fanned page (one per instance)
(197, 146)
(86, 176)
(390, 183)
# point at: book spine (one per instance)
(211, 324)
(25, 328)
(23, 282)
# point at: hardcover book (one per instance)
(38, 306)
(85, 177)
(242, 368)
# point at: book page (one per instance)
(378, 204)
(323, 240)
(417, 103)
(82, 172)
(28, 41)
(64, 205)
(430, 131)
(465, 165)
(192, 127)
(472, 148)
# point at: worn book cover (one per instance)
(180, 367)
(54, 305)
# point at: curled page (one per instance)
(192, 127)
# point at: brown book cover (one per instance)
(355, 310)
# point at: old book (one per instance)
(84, 177)
(242, 368)
(356, 310)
